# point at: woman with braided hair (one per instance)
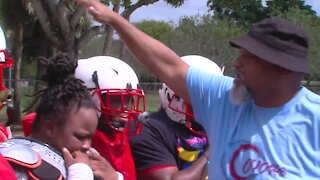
(65, 122)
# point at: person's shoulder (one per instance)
(311, 96)
(161, 121)
(158, 117)
(18, 151)
(158, 125)
(308, 102)
(31, 154)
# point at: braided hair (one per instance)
(63, 93)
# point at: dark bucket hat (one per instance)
(279, 42)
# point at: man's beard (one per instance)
(239, 94)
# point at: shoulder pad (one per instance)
(20, 153)
(50, 155)
(32, 154)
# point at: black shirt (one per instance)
(164, 142)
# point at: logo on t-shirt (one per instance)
(247, 161)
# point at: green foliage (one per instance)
(156, 29)
(29, 69)
(13, 11)
(209, 36)
(93, 47)
(202, 35)
(175, 3)
(311, 25)
(152, 101)
(285, 5)
(206, 36)
(248, 12)
(244, 11)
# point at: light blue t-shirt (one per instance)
(252, 142)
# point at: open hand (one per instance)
(100, 12)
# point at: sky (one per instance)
(161, 11)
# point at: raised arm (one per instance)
(155, 56)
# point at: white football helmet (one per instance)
(3, 46)
(5, 98)
(176, 108)
(5, 62)
(115, 90)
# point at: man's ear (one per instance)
(48, 127)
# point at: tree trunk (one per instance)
(110, 32)
(42, 52)
(123, 50)
(17, 56)
(108, 41)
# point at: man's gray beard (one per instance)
(239, 94)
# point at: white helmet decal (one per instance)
(175, 106)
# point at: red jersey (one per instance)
(117, 151)
(26, 123)
(3, 133)
(6, 170)
(115, 148)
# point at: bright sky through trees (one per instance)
(163, 11)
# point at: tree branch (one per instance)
(130, 9)
(93, 31)
(62, 18)
(74, 19)
(45, 22)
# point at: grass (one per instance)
(152, 98)
(312, 83)
(152, 101)
(152, 104)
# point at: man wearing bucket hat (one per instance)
(262, 124)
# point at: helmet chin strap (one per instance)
(182, 122)
(143, 117)
(95, 79)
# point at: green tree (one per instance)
(311, 24)
(158, 30)
(66, 25)
(129, 8)
(207, 36)
(251, 11)
(243, 11)
(16, 17)
(285, 5)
